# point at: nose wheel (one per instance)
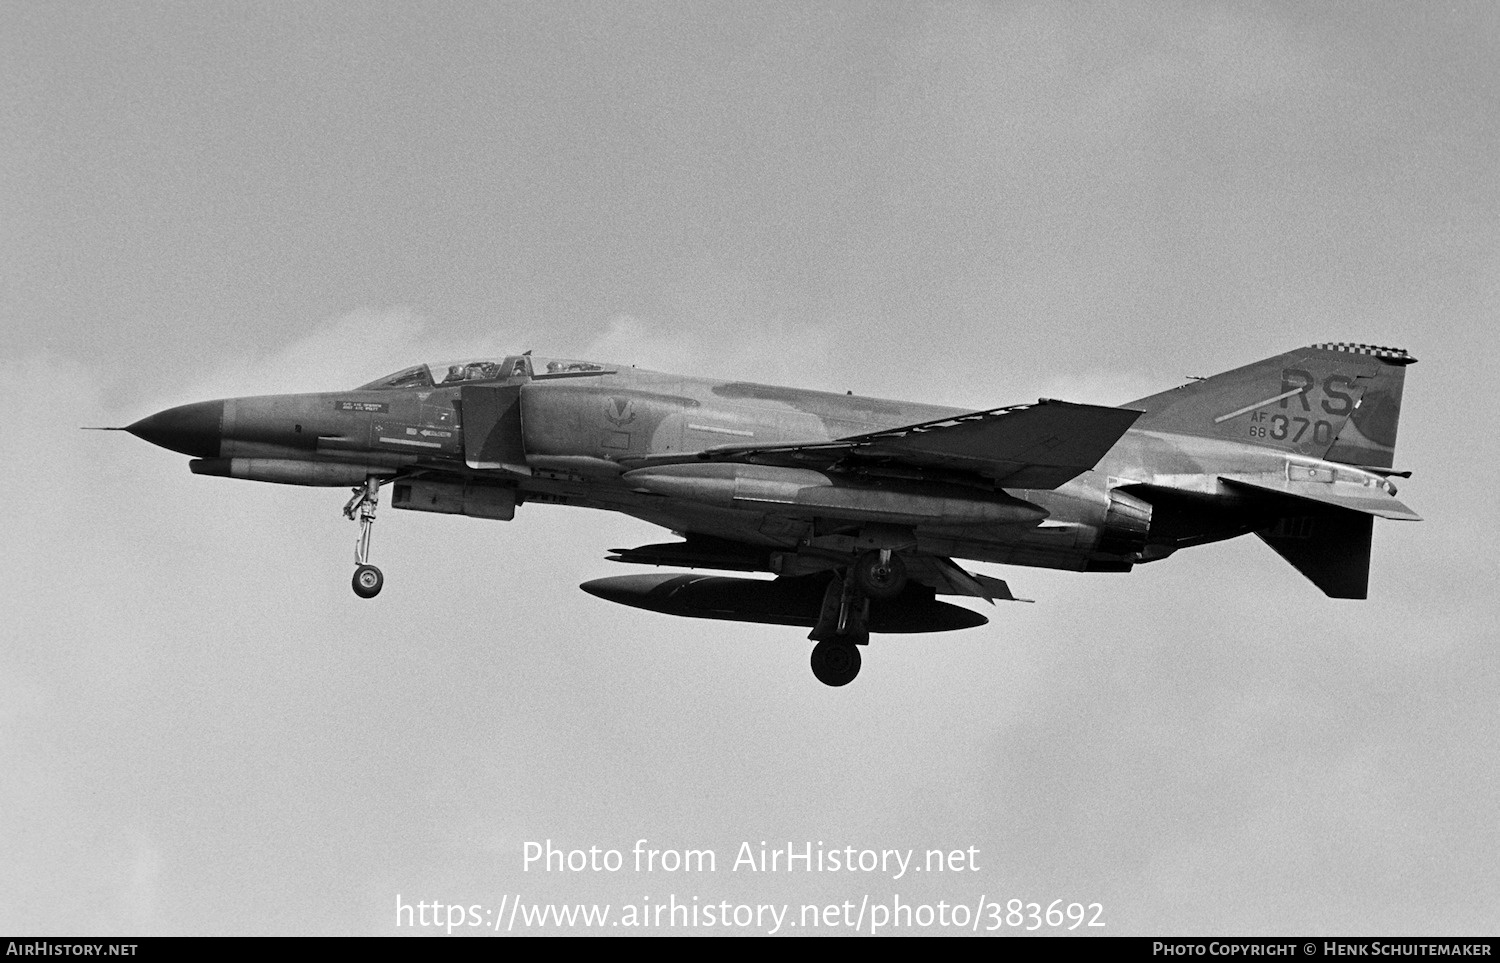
(368, 579)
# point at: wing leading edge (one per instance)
(1040, 446)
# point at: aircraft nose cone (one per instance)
(191, 429)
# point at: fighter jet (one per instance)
(861, 508)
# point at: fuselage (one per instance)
(577, 427)
(858, 505)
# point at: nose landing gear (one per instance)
(368, 579)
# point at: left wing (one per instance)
(1040, 446)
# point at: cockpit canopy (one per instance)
(513, 368)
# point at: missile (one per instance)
(784, 601)
(803, 492)
(286, 471)
(698, 552)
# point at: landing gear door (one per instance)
(492, 427)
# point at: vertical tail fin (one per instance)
(1340, 402)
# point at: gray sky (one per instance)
(202, 730)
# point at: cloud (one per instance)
(768, 351)
(634, 341)
(1103, 387)
(342, 352)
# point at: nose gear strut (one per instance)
(368, 579)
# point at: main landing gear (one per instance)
(835, 663)
(842, 623)
(368, 580)
(880, 574)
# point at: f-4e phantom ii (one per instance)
(858, 506)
